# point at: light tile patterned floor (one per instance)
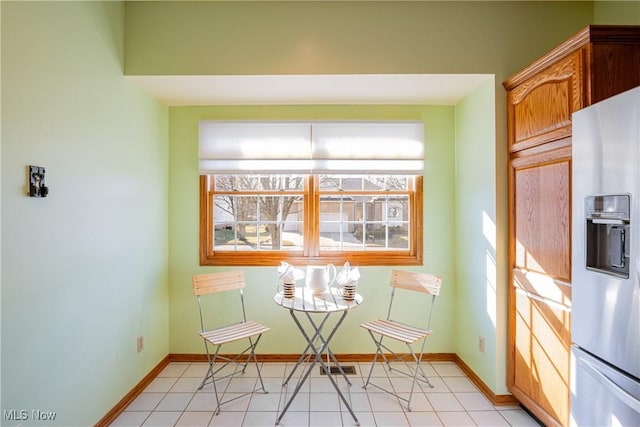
(172, 399)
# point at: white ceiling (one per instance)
(418, 89)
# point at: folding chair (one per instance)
(205, 284)
(410, 335)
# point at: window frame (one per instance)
(311, 251)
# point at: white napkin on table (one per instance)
(287, 273)
(348, 274)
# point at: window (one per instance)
(328, 214)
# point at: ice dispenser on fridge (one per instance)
(607, 234)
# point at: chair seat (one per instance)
(397, 331)
(234, 332)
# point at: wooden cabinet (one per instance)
(540, 108)
(595, 64)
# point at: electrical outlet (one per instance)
(481, 344)
(140, 342)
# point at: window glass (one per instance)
(308, 218)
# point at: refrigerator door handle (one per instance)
(617, 391)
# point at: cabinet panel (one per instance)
(616, 68)
(541, 214)
(542, 349)
(540, 109)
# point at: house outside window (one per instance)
(295, 205)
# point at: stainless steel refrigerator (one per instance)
(605, 321)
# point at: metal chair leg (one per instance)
(415, 372)
(375, 357)
(211, 374)
(255, 361)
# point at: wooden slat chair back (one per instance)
(410, 335)
(206, 284)
(218, 282)
(418, 282)
(213, 283)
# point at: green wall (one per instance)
(183, 231)
(616, 12)
(351, 37)
(480, 306)
(84, 271)
(0, 208)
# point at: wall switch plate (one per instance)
(140, 343)
(37, 187)
(481, 344)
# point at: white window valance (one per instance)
(311, 147)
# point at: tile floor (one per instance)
(172, 399)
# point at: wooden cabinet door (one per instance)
(539, 109)
(539, 295)
(542, 354)
(541, 212)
